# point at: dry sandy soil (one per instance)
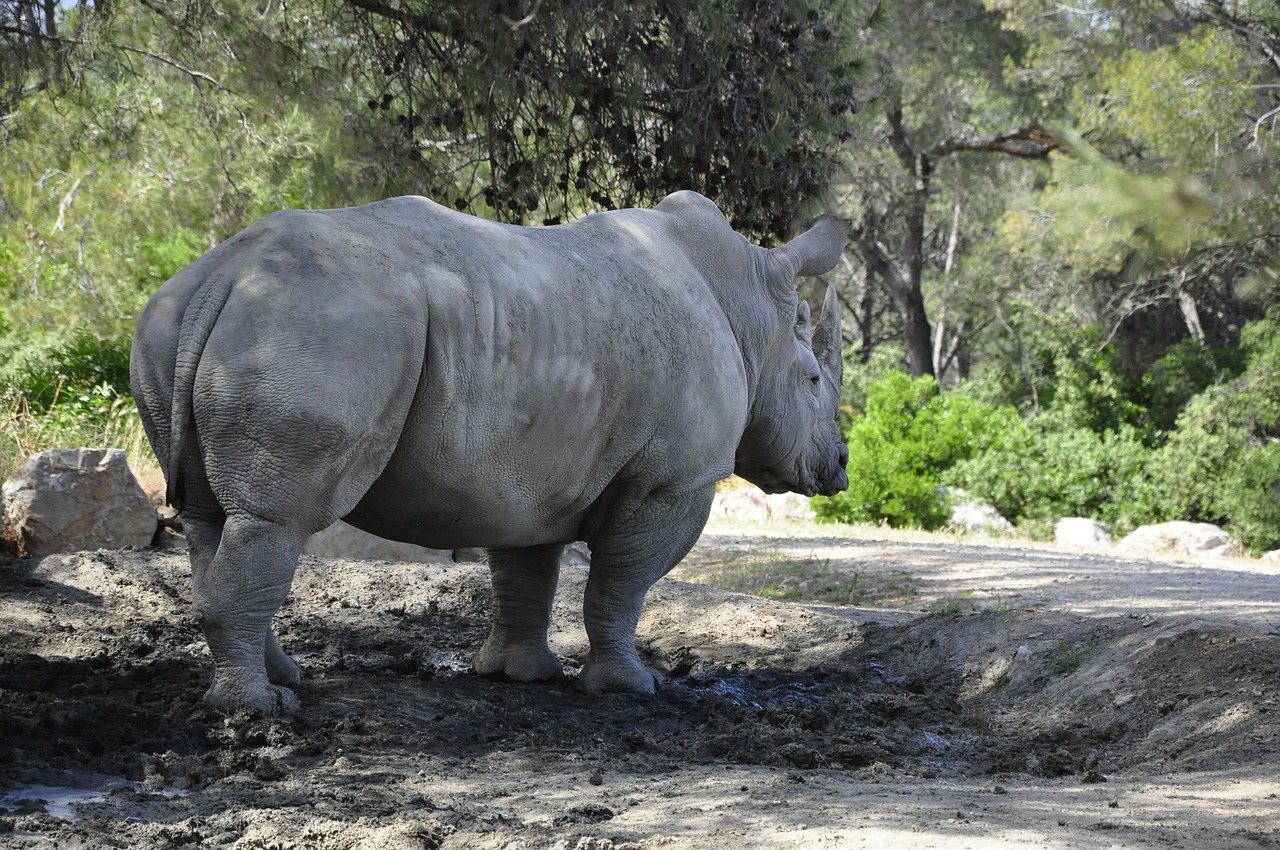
(975, 696)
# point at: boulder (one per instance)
(973, 515)
(68, 500)
(754, 505)
(1080, 531)
(577, 554)
(1180, 538)
(1273, 555)
(346, 541)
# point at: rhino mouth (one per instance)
(830, 479)
(838, 483)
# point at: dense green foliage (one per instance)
(1076, 455)
(1068, 215)
(903, 444)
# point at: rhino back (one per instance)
(559, 360)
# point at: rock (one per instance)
(1080, 531)
(1181, 538)
(577, 554)
(971, 514)
(758, 506)
(1273, 555)
(67, 500)
(346, 541)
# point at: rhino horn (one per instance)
(827, 342)
(817, 250)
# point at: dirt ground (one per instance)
(974, 696)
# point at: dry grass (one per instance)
(24, 433)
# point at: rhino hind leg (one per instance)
(524, 586)
(236, 593)
(627, 557)
(203, 520)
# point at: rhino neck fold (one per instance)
(753, 311)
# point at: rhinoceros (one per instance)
(440, 379)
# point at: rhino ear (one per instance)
(817, 250)
(827, 341)
(804, 328)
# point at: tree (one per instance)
(132, 162)
(944, 100)
(531, 113)
(1166, 214)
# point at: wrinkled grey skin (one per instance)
(438, 379)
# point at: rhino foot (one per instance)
(518, 663)
(269, 700)
(281, 669)
(620, 675)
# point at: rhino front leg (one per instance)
(236, 594)
(524, 585)
(634, 549)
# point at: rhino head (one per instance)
(792, 441)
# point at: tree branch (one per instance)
(1266, 42)
(1031, 142)
(75, 42)
(382, 10)
(195, 75)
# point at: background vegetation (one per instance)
(1061, 285)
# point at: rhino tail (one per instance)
(197, 323)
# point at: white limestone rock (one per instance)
(754, 505)
(1081, 532)
(973, 515)
(69, 500)
(1180, 538)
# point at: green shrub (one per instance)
(1185, 475)
(899, 449)
(1066, 369)
(1188, 369)
(1049, 468)
(883, 360)
(74, 393)
(79, 378)
(1251, 497)
(1221, 464)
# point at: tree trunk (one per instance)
(905, 291)
(915, 332)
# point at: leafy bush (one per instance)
(80, 378)
(1251, 497)
(1185, 476)
(1065, 369)
(1188, 369)
(1221, 464)
(887, 359)
(901, 446)
(70, 394)
(1049, 467)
